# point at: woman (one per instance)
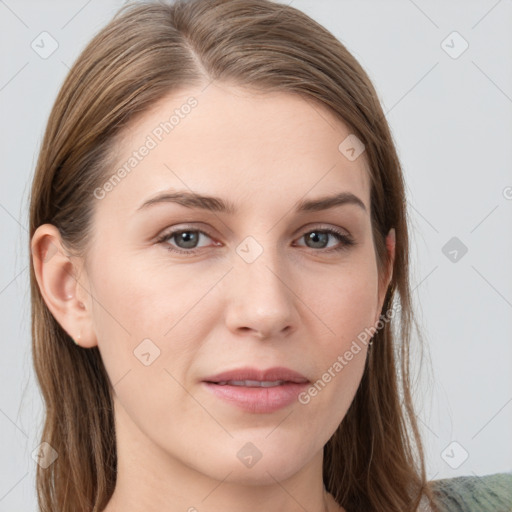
(218, 221)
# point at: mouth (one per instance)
(252, 383)
(257, 391)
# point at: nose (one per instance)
(261, 301)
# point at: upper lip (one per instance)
(270, 375)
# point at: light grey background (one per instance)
(452, 122)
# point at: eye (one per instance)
(186, 240)
(321, 237)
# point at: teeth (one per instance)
(252, 383)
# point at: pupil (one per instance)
(315, 237)
(186, 237)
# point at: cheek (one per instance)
(347, 307)
(346, 301)
(136, 298)
(148, 336)
(144, 313)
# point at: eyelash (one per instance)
(346, 240)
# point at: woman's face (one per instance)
(262, 286)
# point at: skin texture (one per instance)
(296, 305)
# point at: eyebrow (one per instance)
(217, 204)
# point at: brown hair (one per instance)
(374, 461)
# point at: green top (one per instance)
(489, 493)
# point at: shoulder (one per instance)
(489, 493)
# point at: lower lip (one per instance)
(258, 399)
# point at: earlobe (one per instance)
(56, 274)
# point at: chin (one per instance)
(246, 464)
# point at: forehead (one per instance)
(232, 142)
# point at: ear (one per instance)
(383, 286)
(66, 296)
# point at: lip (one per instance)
(248, 373)
(262, 400)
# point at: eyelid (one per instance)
(312, 226)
